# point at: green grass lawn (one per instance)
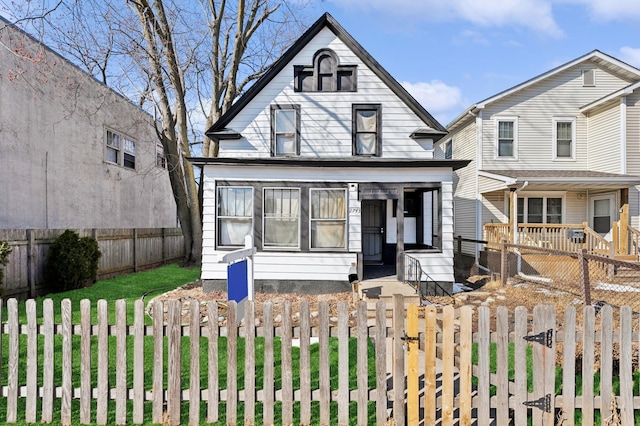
(131, 288)
(128, 287)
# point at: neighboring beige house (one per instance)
(327, 162)
(73, 153)
(560, 153)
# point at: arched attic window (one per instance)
(325, 74)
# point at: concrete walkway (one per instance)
(380, 283)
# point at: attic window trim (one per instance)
(305, 74)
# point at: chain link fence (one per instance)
(576, 277)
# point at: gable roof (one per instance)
(327, 21)
(606, 61)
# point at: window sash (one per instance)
(281, 225)
(366, 130)
(328, 218)
(506, 138)
(285, 122)
(564, 139)
(448, 149)
(235, 215)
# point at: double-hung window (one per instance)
(367, 129)
(235, 215)
(564, 137)
(120, 150)
(328, 218)
(129, 159)
(285, 130)
(113, 147)
(507, 137)
(281, 226)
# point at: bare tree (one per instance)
(186, 62)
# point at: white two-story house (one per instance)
(327, 162)
(556, 160)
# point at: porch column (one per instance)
(513, 214)
(400, 236)
(624, 222)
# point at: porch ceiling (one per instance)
(555, 180)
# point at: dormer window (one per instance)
(325, 74)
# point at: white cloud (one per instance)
(535, 15)
(610, 10)
(630, 55)
(442, 101)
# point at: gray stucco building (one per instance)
(73, 153)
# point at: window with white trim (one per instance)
(281, 221)
(448, 149)
(534, 209)
(564, 138)
(506, 137)
(328, 218)
(120, 150)
(235, 215)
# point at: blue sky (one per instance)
(450, 54)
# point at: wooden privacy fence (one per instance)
(123, 251)
(175, 364)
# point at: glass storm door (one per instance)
(372, 230)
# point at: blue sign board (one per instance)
(238, 284)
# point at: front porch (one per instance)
(623, 244)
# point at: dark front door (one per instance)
(372, 230)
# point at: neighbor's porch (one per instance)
(621, 242)
(561, 210)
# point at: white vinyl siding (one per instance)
(464, 183)
(604, 138)
(559, 95)
(633, 134)
(326, 117)
(495, 208)
(633, 154)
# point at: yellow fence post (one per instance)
(412, 340)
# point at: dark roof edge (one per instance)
(328, 162)
(326, 20)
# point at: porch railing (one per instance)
(626, 240)
(419, 279)
(567, 237)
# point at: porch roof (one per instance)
(558, 179)
(357, 162)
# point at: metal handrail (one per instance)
(414, 277)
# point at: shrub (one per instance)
(72, 261)
(5, 251)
